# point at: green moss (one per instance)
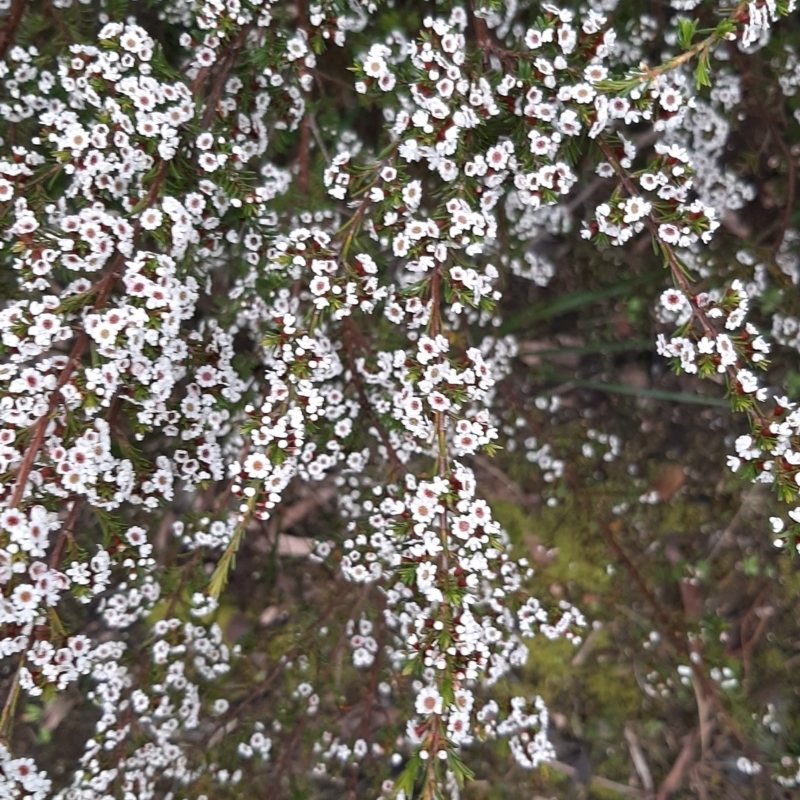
(581, 557)
(612, 692)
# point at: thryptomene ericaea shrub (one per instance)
(254, 253)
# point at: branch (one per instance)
(304, 178)
(8, 32)
(228, 62)
(675, 776)
(104, 287)
(598, 781)
(349, 331)
(674, 264)
(705, 689)
(65, 533)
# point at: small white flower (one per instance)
(151, 219)
(375, 67)
(320, 285)
(583, 93)
(257, 465)
(428, 701)
(670, 100)
(438, 402)
(634, 209)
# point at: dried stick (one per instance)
(598, 781)
(637, 756)
(675, 775)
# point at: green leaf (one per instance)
(570, 302)
(686, 32)
(460, 770)
(408, 777)
(653, 394)
(750, 566)
(702, 75)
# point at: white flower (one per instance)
(375, 67)
(583, 93)
(533, 39)
(412, 194)
(220, 706)
(6, 190)
(635, 208)
(104, 334)
(673, 300)
(438, 402)
(205, 57)
(426, 576)
(669, 233)
(205, 141)
(595, 73)
(748, 381)
(726, 350)
(670, 100)
(649, 182)
(497, 158)
(618, 107)
(209, 162)
(257, 465)
(423, 509)
(458, 726)
(151, 219)
(428, 701)
(131, 40)
(25, 597)
(296, 48)
(320, 285)
(569, 124)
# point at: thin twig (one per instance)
(66, 533)
(104, 288)
(637, 756)
(222, 74)
(680, 645)
(8, 29)
(349, 331)
(304, 159)
(675, 775)
(312, 121)
(598, 781)
(675, 267)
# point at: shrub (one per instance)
(254, 258)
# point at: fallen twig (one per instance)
(598, 781)
(682, 762)
(637, 756)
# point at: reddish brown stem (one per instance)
(682, 762)
(65, 534)
(8, 29)
(221, 76)
(304, 178)
(349, 331)
(105, 286)
(674, 264)
(41, 426)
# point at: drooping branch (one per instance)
(10, 24)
